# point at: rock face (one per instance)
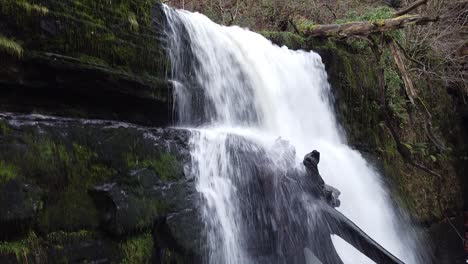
(91, 190)
(66, 86)
(75, 188)
(94, 59)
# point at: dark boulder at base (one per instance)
(19, 204)
(144, 201)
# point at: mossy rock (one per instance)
(138, 249)
(88, 59)
(120, 33)
(166, 165)
(64, 158)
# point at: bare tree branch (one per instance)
(410, 8)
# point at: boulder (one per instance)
(118, 180)
(144, 201)
(19, 205)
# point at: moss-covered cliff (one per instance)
(84, 58)
(88, 59)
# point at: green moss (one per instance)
(61, 237)
(10, 47)
(304, 24)
(151, 208)
(380, 22)
(92, 60)
(33, 8)
(21, 248)
(119, 33)
(8, 172)
(46, 161)
(137, 250)
(166, 165)
(67, 172)
(5, 128)
(289, 39)
(74, 210)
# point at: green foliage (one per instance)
(23, 7)
(304, 24)
(10, 47)
(133, 21)
(358, 45)
(33, 8)
(4, 128)
(21, 248)
(396, 100)
(8, 172)
(289, 39)
(138, 249)
(373, 15)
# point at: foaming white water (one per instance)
(254, 89)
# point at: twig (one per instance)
(294, 26)
(410, 8)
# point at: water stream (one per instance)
(240, 93)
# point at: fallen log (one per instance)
(341, 226)
(364, 28)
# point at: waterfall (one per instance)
(239, 93)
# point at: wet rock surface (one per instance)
(19, 203)
(92, 190)
(66, 86)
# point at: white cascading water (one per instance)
(239, 83)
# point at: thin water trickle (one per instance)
(241, 93)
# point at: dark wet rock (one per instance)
(143, 200)
(448, 243)
(331, 195)
(310, 162)
(315, 183)
(82, 248)
(19, 205)
(66, 86)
